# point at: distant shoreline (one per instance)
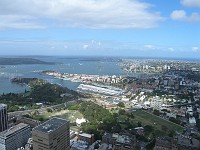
(22, 61)
(85, 57)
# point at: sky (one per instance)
(135, 28)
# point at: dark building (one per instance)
(165, 143)
(3, 117)
(15, 137)
(120, 141)
(89, 138)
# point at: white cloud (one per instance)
(182, 16)
(195, 49)
(85, 46)
(65, 46)
(152, 47)
(178, 15)
(18, 21)
(95, 43)
(171, 49)
(191, 3)
(79, 13)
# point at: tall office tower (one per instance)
(52, 135)
(15, 137)
(3, 117)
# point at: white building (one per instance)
(192, 121)
(80, 121)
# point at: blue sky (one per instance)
(148, 28)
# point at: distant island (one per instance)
(21, 61)
(95, 59)
(99, 59)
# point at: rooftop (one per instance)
(107, 135)
(123, 139)
(51, 125)
(2, 105)
(79, 145)
(187, 141)
(103, 146)
(86, 135)
(192, 120)
(13, 130)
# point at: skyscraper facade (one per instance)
(3, 117)
(15, 137)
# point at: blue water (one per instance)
(65, 65)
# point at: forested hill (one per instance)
(40, 92)
(20, 61)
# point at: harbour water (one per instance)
(66, 65)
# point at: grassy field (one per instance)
(157, 122)
(71, 115)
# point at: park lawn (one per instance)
(157, 122)
(70, 115)
(74, 128)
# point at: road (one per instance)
(40, 110)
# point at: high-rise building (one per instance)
(52, 135)
(15, 137)
(3, 117)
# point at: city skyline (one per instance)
(102, 28)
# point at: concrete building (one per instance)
(107, 138)
(89, 138)
(187, 143)
(156, 103)
(192, 121)
(31, 122)
(3, 117)
(52, 135)
(124, 142)
(165, 143)
(119, 141)
(15, 137)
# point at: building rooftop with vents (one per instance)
(52, 134)
(3, 105)
(51, 125)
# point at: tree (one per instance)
(49, 110)
(151, 144)
(12, 108)
(121, 104)
(177, 121)
(35, 112)
(139, 124)
(41, 119)
(122, 112)
(171, 133)
(156, 112)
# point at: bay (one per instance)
(75, 65)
